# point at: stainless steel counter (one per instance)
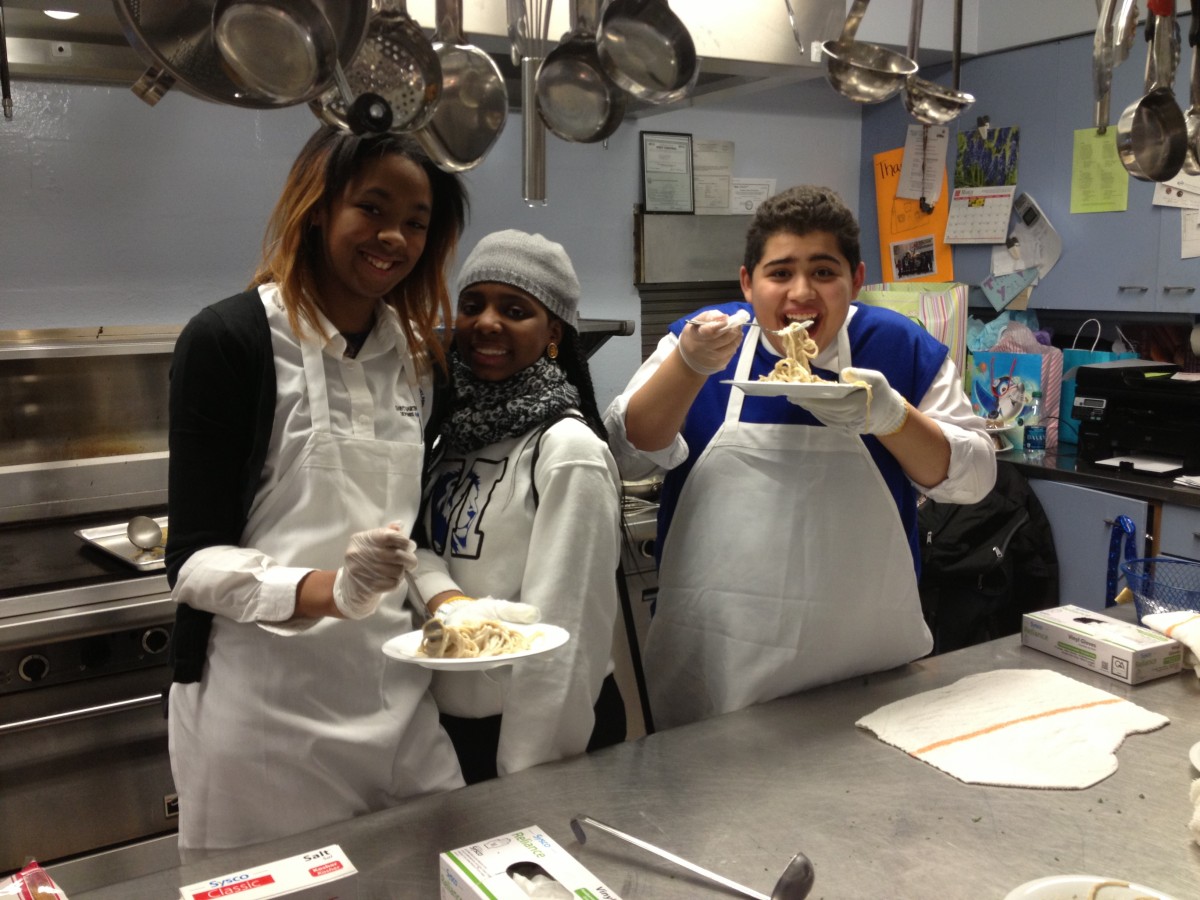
(740, 794)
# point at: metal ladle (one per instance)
(927, 101)
(794, 884)
(144, 533)
(474, 104)
(864, 73)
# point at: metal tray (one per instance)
(112, 539)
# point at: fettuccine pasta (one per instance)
(796, 365)
(475, 638)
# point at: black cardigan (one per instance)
(222, 407)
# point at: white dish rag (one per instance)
(1014, 728)
(1183, 626)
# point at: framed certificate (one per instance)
(667, 173)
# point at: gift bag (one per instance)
(1073, 357)
(1000, 383)
(940, 308)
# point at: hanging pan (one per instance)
(575, 97)
(647, 50)
(282, 52)
(176, 40)
(864, 73)
(396, 63)
(1152, 133)
(1191, 159)
(474, 105)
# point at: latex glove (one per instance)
(455, 612)
(880, 410)
(376, 561)
(707, 348)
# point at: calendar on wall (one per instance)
(985, 182)
(979, 215)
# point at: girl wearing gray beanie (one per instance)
(523, 503)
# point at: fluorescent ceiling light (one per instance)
(60, 14)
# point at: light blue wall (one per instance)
(116, 213)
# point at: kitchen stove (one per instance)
(83, 635)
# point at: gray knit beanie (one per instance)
(539, 267)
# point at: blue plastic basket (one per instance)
(1161, 584)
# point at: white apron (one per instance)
(285, 733)
(786, 566)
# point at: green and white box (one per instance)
(1120, 650)
(484, 871)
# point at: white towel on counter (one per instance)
(1183, 626)
(1014, 728)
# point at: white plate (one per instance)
(815, 390)
(1076, 887)
(545, 638)
(1001, 428)
(1194, 756)
(1004, 444)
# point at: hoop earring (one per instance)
(552, 350)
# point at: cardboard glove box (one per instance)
(1121, 650)
(484, 871)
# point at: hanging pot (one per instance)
(575, 97)
(474, 105)
(283, 52)
(176, 40)
(1152, 132)
(647, 51)
(1191, 159)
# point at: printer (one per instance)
(1142, 409)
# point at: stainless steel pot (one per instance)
(1152, 132)
(575, 97)
(647, 50)
(285, 53)
(176, 40)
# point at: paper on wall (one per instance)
(1037, 243)
(925, 149)
(712, 172)
(746, 194)
(1171, 195)
(1190, 236)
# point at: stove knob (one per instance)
(33, 667)
(155, 640)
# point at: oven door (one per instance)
(84, 764)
